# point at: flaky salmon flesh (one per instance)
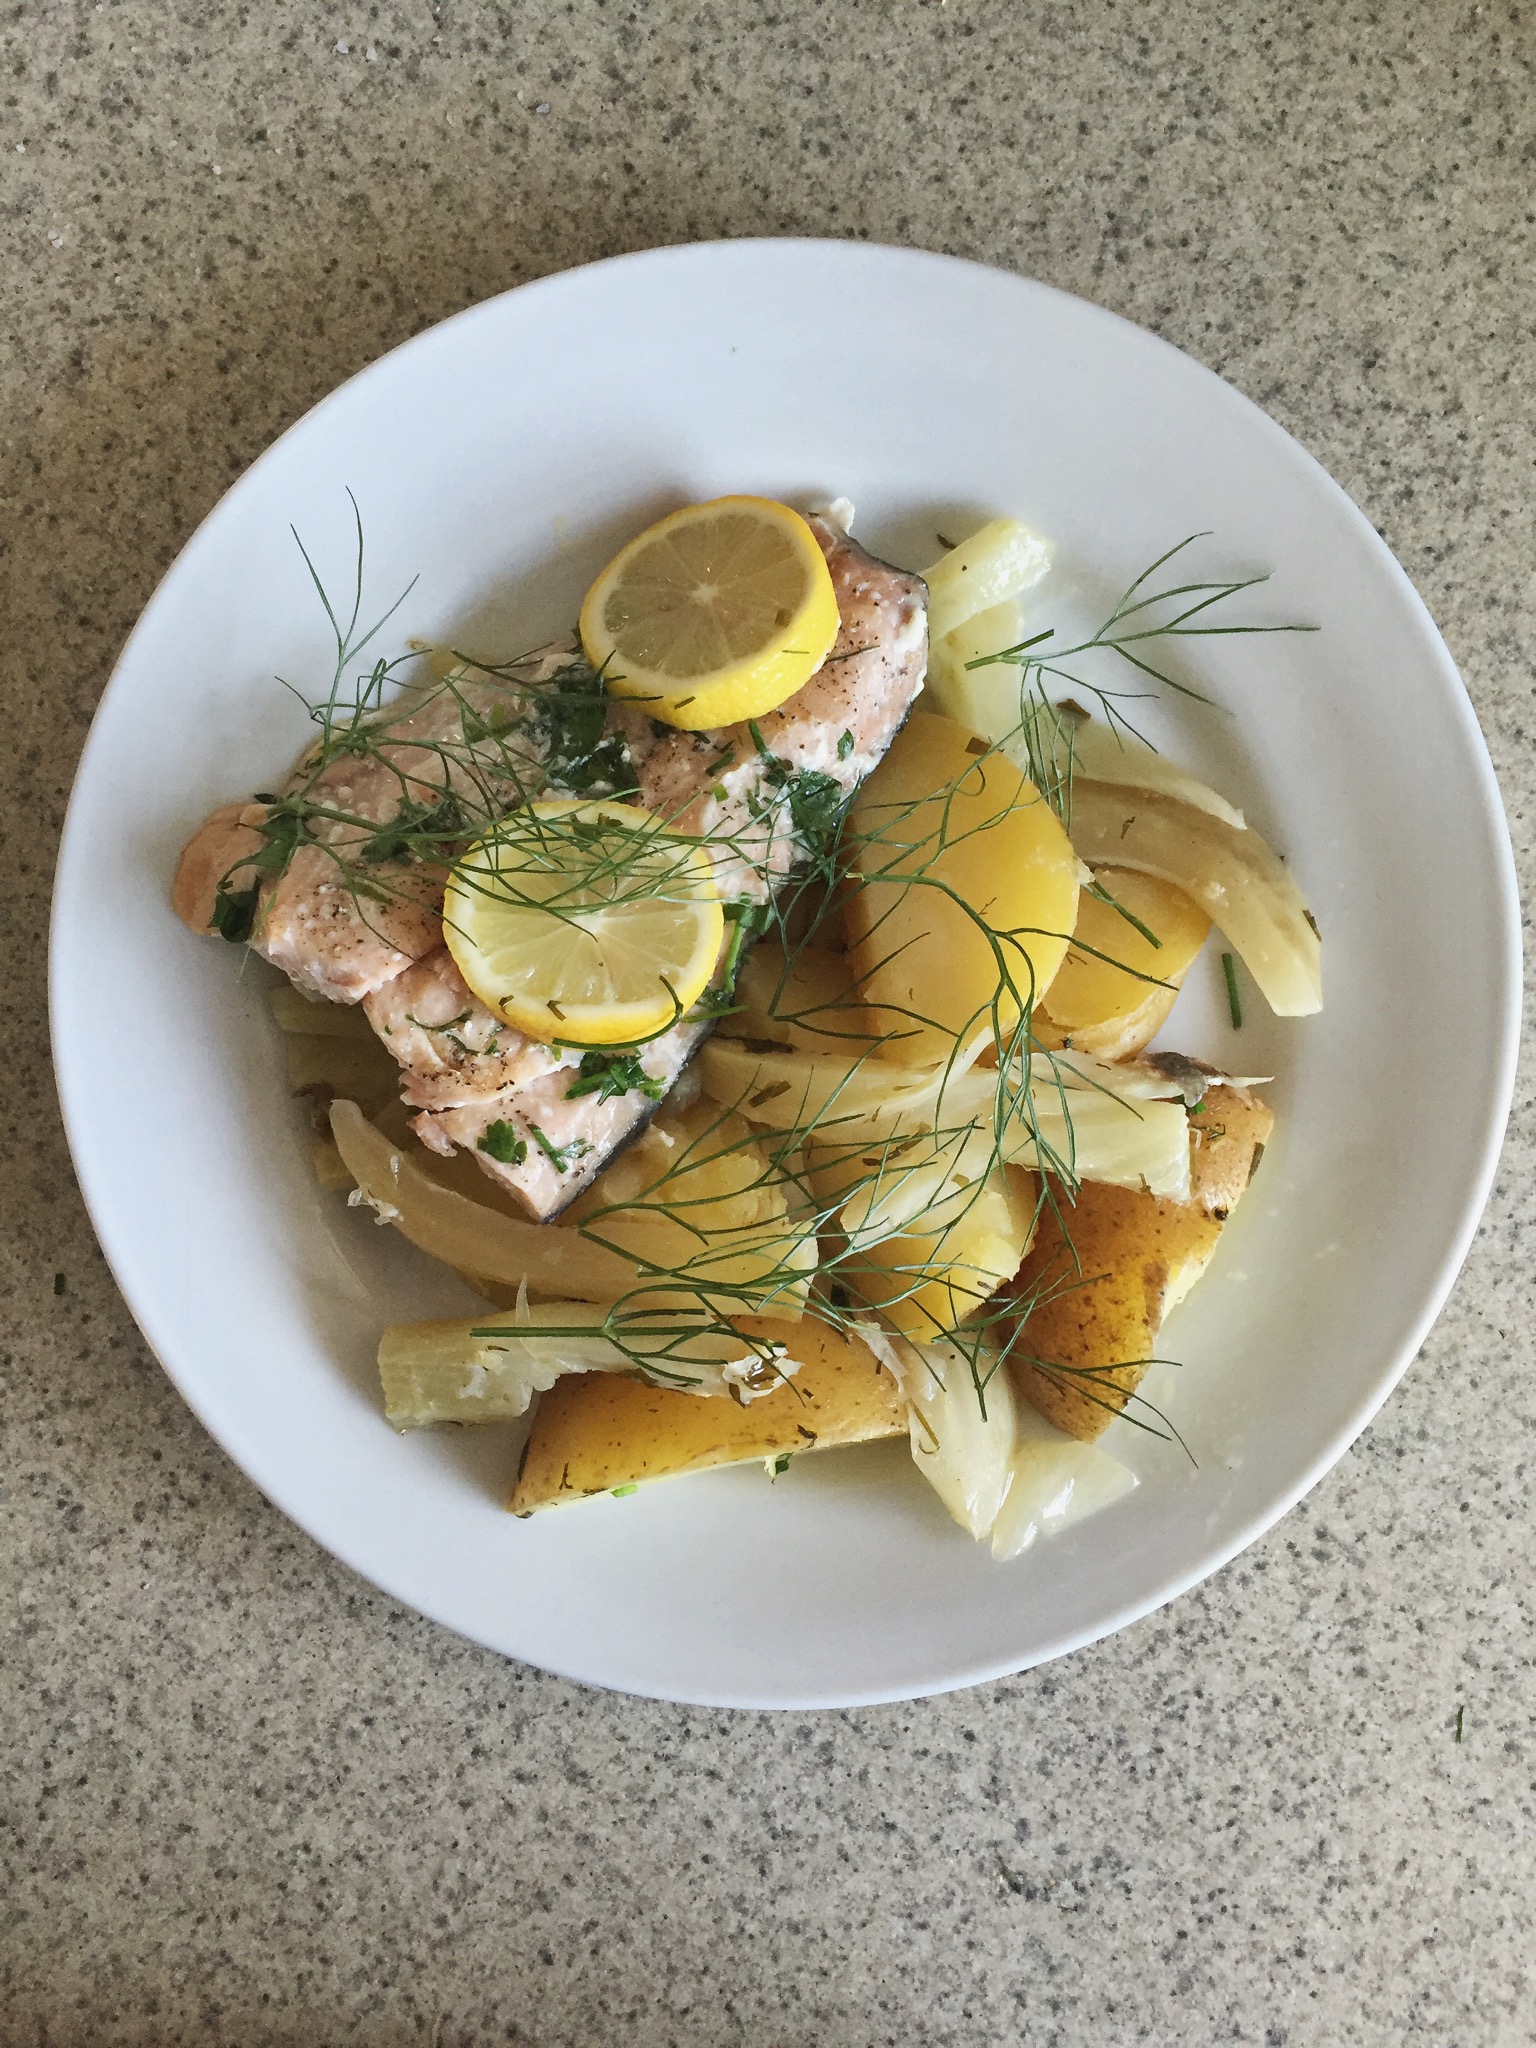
(351, 916)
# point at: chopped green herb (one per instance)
(414, 823)
(462, 1018)
(621, 1492)
(815, 805)
(234, 913)
(610, 1074)
(561, 1157)
(1460, 1716)
(1234, 998)
(781, 1463)
(745, 920)
(500, 1141)
(569, 717)
(845, 746)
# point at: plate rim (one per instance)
(1498, 1090)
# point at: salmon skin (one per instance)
(352, 911)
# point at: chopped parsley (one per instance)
(609, 1074)
(234, 913)
(746, 920)
(815, 800)
(413, 823)
(569, 717)
(561, 1157)
(815, 806)
(501, 1142)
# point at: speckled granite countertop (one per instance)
(245, 1799)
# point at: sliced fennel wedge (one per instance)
(962, 1420)
(1235, 877)
(445, 1372)
(976, 1119)
(1101, 755)
(1055, 1482)
(995, 563)
(465, 1235)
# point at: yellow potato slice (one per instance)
(1090, 988)
(970, 885)
(593, 1434)
(806, 1000)
(698, 1197)
(1119, 1038)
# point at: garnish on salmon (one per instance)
(338, 879)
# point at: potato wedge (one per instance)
(593, 1434)
(1105, 1271)
(697, 1195)
(970, 892)
(1119, 1038)
(1112, 967)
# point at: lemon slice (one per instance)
(715, 614)
(585, 922)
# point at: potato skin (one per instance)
(1118, 1260)
(595, 1432)
(944, 808)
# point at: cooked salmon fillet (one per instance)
(350, 920)
(342, 918)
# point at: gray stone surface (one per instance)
(245, 1799)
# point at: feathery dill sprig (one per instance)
(1142, 619)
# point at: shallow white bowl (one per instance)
(501, 458)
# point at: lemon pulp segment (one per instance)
(715, 614)
(585, 922)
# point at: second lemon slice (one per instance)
(715, 614)
(584, 922)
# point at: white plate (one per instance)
(501, 457)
